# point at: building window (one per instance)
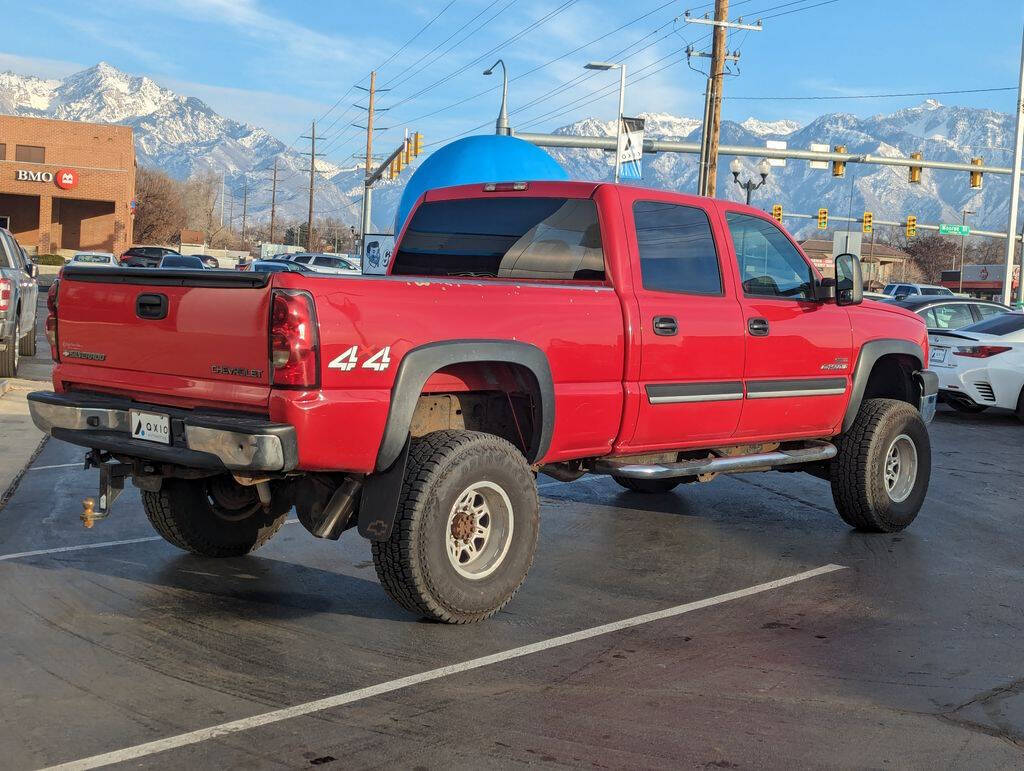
(3, 152)
(29, 154)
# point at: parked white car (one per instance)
(324, 263)
(95, 259)
(981, 365)
(901, 290)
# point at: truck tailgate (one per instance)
(209, 326)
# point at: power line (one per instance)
(873, 96)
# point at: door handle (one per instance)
(151, 306)
(665, 325)
(758, 327)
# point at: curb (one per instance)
(5, 386)
(13, 486)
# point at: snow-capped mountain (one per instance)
(183, 136)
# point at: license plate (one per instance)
(150, 426)
(938, 355)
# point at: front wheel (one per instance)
(212, 517)
(466, 529)
(27, 344)
(880, 475)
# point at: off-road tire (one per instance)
(966, 407)
(28, 342)
(648, 486)
(413, 564)
(9, 356)
(858, 470)
(1020, 406)
(184, 516)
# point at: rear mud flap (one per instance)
(379, 502)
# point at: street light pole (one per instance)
(501, 125)
(1018, 152)
(963, 247)
(622, 106)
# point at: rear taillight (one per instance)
(980, 351)
(51, 320)
(5, 294)
(294, 344)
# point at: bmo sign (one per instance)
(65, 179)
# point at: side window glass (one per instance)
(770, 266)
(929, 318)
(953, 316)
(990, 310)
(677, 250)
(7, 259)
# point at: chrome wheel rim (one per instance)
(479, 530)
(900, 468)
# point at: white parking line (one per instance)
(310, 707)
(80, 464)
(101, 545)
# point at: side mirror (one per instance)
(849, 280)
(32, 269)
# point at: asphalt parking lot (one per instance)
(116, 648)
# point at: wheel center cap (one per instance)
(462, 526)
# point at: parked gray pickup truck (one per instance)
(18, 294)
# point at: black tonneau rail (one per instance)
(166, 276)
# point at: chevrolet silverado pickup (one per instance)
(564, 328)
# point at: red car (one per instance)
(564, 328)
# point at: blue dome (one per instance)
(487, 158)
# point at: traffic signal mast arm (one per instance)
(411, 146)
(917, 225)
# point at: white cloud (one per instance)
(38, 65)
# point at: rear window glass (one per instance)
(540, 238)
(998, 325)
(95, 258)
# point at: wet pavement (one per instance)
(909, 656)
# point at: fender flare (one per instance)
(870, 353)
(423, 361)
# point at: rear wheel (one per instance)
(27, 344)
(880, 475)
(649, 486)
(466, 530)
(10, 356)
(1020, 406)
(213, 517)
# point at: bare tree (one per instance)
(160, 212)
(934, 254)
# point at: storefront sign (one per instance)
(65, 178)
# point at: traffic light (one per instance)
(417, 144)
(777, 213)
(398, 164)
(914, 174)
(822, 219)
(976, 175)
(391, 169)
(407, 152)
(839, 167)
(911, 226)
(867, 223)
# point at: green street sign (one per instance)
(954, 230)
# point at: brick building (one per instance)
(66, 185)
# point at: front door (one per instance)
(798, 350)
(691, 370)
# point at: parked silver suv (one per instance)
(18, 294)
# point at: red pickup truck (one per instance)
(565, 328)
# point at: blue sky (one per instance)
(280, 64)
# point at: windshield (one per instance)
(503, 237)
(1003, 324)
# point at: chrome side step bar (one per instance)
(808, 453)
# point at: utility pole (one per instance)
(1018, 151)
(245, 205)
(367, 184)
(222, 199)
(713, 93)
(717, 73)
(963, 246)
(273, 201)
(312, 177)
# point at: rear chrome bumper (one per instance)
(928, 382)
(199, 439)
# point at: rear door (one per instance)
(798, 351)
(691, 323)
